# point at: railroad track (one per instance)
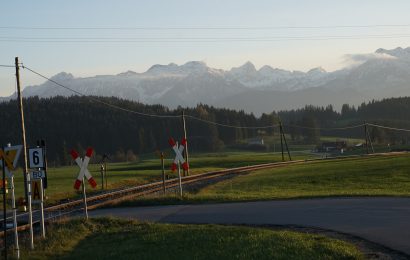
(69, 208)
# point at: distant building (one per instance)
(333, 146)
(256, 141)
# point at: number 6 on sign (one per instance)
(36, 157)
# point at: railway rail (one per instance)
(69, 208)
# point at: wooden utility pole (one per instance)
(186, 172)
(369, 140)
(284, 139)
(23, 128)
(366, 137)
(281, 142)
(282, 135)
(23, 135)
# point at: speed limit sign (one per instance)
(36, 157)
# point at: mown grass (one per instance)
(377, 176)
(108, 238)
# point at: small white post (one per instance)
(43, 229)
(13, 205)
(179, 174)
(30, 211)
(84, 200)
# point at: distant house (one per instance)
(256, 141)
(333, 146)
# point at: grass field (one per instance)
(377, 176)
(125, 239)
(61, 180)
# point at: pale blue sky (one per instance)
(88, 59)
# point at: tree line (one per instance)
(78, 122)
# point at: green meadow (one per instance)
(107, 238)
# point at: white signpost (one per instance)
(36, 183)
(179, 159)
(13, 154)
(37, 193)
(83, 164)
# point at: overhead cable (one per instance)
(390, 128)
(159, 28)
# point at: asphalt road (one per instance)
(385, 221)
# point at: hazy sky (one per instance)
(287, 48)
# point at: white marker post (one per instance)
(179, 176)
(13, 205)
(179, 159)
(38, 196)
(36, 161)
(13, 153)
(43, 228)
(30, 211)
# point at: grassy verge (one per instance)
(378, 176)
(125, 239)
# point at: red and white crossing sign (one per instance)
(83, 164)
(178, 154)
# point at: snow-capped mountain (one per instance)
(384, 73)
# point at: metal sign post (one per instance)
(13, 205)
(37, 160)
(179, 176)
(84, 200)
(13, 154)
(43, 228)
(37, 188)
(186, 172)
(30, 211)
(179, 159)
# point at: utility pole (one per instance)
(186, 145)
(23, 128)
(369, 140)
(366, 137)
(282, 135)
(23, 134)
(281, 142)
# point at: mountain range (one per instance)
(382, 74)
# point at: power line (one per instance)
(7, 66)
(328, 128)
(205, 38)
(231, 126)
(166, 28)
(195, 40)
(389, 128)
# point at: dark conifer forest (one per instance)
(78, 122)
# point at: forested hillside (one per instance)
(78, 122)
